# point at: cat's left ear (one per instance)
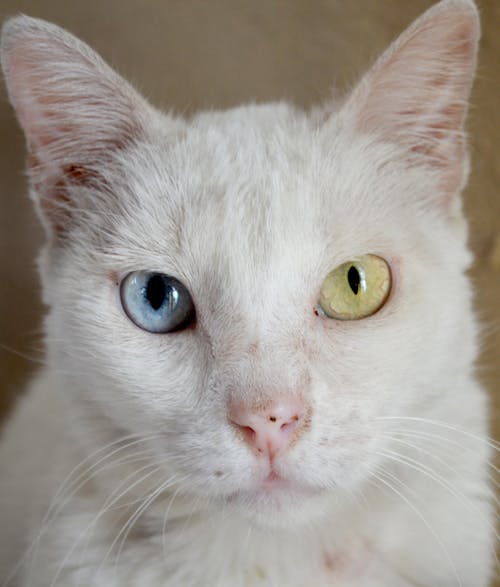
(416, 94)
(76, 113)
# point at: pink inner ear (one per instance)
(68, 111)
(31, 92)
(416, 94)
(70, 104)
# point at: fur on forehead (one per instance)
(413, 99)
(259, 175)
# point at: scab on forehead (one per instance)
(56, 203)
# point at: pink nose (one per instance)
(269, 430)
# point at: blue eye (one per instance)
(156, 302)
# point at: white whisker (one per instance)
(420, 434)
(439, 460)
(419, 514)
(126, 529)
(111, 500)
(431, 474)
(165, 518)
(492, 443)
(56, 505)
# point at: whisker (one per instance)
(165, 518)
(431, 435)
(22, 355)
(431, 474)
(50, 514)
(89, 474)
(111, 500)
(441, 461)
(424, 520)
(189, 517)
(491, 442)
(126, 529)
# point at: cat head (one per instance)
(253, 293)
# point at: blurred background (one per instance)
(187, 55)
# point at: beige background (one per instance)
(188, 55)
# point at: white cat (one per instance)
(260, 338)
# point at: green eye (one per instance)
(356, 289)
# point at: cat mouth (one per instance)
(274, 481)
(275, 489)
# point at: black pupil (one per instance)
(156, 291)
(354, 279)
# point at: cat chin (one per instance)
(279, 506)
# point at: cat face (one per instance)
(260, 401)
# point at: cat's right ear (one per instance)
(416, 95)
(75, 111)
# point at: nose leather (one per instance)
(269, 430)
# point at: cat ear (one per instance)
(416, 94)
(74, 109)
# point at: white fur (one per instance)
(251, 209)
